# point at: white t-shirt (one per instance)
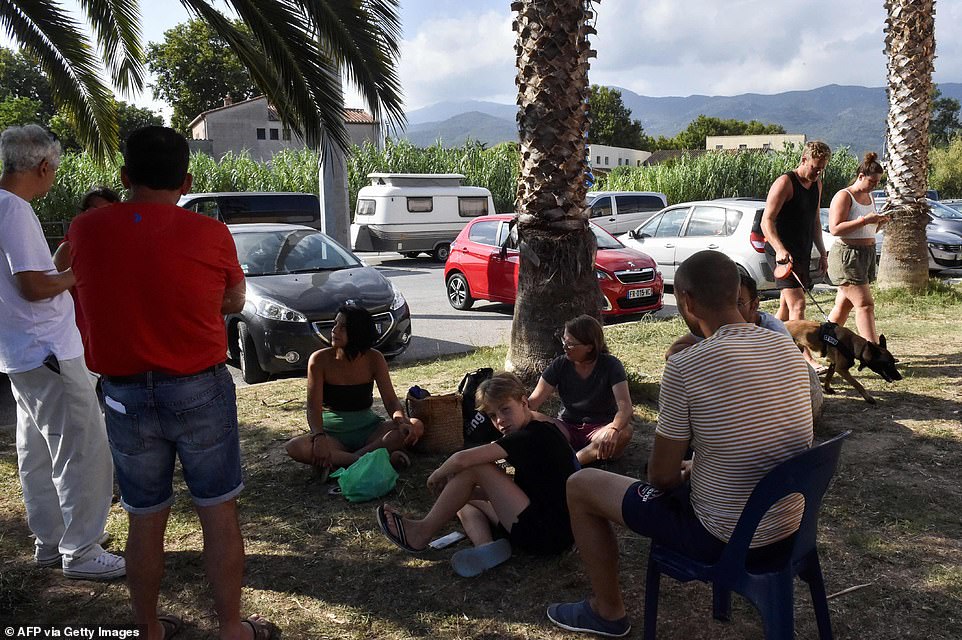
(30, 331)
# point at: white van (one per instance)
(619, 212)
(415, 212)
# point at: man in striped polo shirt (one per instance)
(740, 399)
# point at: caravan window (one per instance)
(366, 207)
(472, 207)
(420, 205)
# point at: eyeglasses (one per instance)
(568, 346)
(745, 303)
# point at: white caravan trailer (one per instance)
(415, 212)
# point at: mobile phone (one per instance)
(447, 540)
(52, 363)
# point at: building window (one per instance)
(743, 146)
(767, 146)
(719, 147)
(275, 134)
(420, 204)
(606, 161)
(286, 134)
(261, 133)
(598, 160)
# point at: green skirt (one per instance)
(351, 428)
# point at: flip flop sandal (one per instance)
(399, 539)
(171, 624)
(469, 563)
(262, 628)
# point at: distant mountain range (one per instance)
(840, 115)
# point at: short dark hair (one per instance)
(156, 157)
(748, 282)
(587, 330)
(105, 193)
(710, 278)
(359, 326)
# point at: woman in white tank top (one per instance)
(853, 220)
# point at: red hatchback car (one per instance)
(629, 279)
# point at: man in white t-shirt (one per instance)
(717, 398)
(62, 452)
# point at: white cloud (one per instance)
(470, 57)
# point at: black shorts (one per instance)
(799, 266)
(669, 519)
(539, 534)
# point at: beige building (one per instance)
(774, 141)
(604, 158)
(253, 125)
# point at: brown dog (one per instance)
(843, 348)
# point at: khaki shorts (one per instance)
(849, 264)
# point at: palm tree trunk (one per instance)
(910, 45)
(556, 279)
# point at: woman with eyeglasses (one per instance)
(593, 389)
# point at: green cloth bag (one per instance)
(370, 477)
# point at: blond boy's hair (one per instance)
(498, 388)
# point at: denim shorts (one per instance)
(193, 417)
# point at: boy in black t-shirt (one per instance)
(530, 511)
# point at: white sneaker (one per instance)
(57, 559)
(104, 567)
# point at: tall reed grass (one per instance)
(703, 177)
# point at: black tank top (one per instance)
(349, 397)
(796, 220)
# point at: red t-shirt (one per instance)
(151, 280)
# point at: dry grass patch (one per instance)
(318, 567)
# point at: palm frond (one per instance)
(286, 64)
(116, 24)
(362, 37)
(71, 64)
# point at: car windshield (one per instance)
(944, 212)
(263, 253)
(605, 240)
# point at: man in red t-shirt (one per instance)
(154, 281)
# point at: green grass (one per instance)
(318, 567)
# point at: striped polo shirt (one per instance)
(741, 398)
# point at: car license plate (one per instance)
(639, 293)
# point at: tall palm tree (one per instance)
(910, 45)
(556, 279)
(294, 52)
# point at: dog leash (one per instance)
(781, 275)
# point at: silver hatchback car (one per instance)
(676, 232)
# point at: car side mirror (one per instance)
(633, 234)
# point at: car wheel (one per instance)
(441, 252)
(247, 355)
(411, 254)
(459, 295)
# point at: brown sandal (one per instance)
(261, 628)
(400, 460)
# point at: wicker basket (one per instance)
(443, 423)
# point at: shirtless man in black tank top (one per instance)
(791, 225)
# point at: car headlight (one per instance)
(949, 248)
(398, 300)
(601, 275)
(273, 310)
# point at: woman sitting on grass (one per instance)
(593, 388)
(530, 511)
(340, 385)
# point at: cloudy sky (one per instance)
(464, 49)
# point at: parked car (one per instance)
(880, 196)
(725, 224)
(242, 207)
(297, 277)
(629, 281)
(955, 203)
(619, 212)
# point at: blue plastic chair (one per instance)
(770, 588)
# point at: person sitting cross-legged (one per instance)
(528, 512)
(740, 399)
(593, 387)
(340, 385)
